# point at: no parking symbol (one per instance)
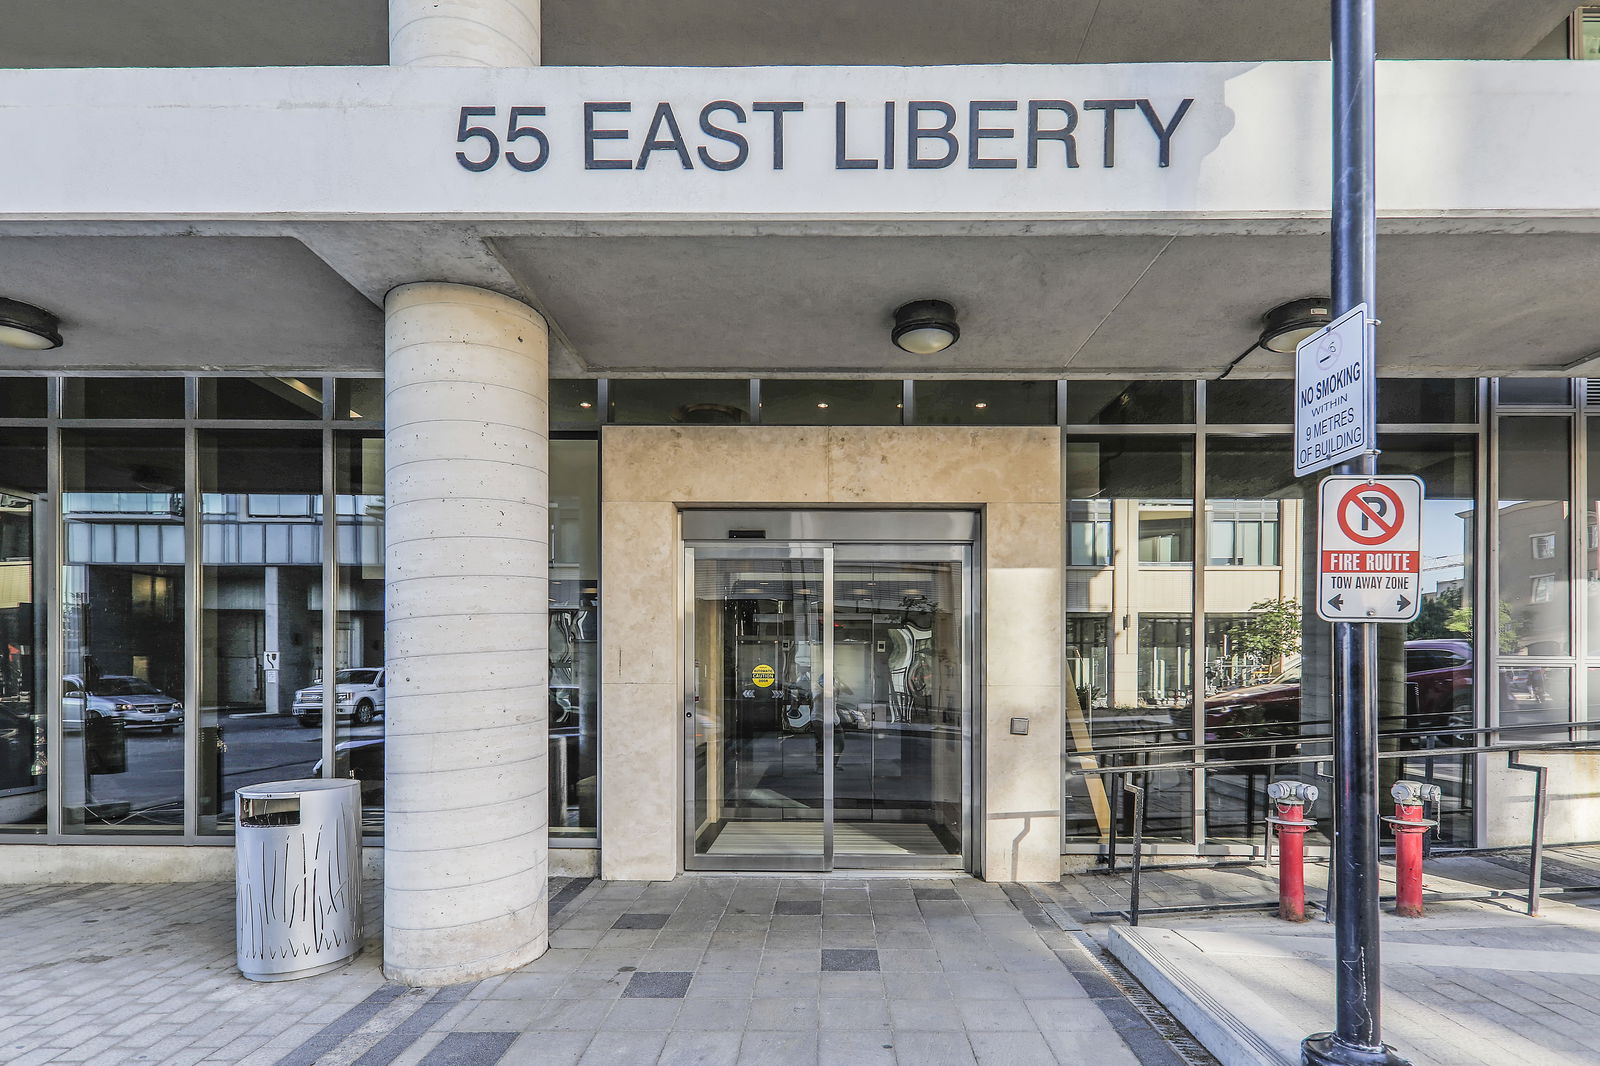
(1369, 539)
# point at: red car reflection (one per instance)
(1438, 706)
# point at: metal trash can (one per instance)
(297, 862)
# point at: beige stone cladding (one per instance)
(1011, 475)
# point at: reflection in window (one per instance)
(574, 636)
(261, 620)
(1131, 514)
(1242, 533)
(360, 686)
(22, 659)
(1535, 460)
(1089, 533)
(1088, 656)
(123, 626)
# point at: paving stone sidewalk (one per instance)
(703, 970)
(1475, 983)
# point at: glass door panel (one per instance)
(758, 710)
(901, 685)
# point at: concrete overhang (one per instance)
(226, 33)
(791, 304)
(260, 216)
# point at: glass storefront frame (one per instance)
(50, 557)
(1578, 405)
(1200, 838)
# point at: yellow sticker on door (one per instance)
(763, 676)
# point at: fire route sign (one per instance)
(1369, 549)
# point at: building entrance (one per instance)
(829, 704)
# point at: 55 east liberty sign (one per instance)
(724, 135)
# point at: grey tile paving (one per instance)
(469, 1049)
(641, 921)
(716, 971)
(797, 906)
(849, 959)
(656, 985)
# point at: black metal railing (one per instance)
(1129, 779)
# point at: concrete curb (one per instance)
(1150, 956)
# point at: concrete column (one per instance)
(465, 848)
(464, 33)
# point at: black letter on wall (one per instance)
(590, 135)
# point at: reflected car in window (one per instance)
(1438, 706)
(134, 700)
(357, 695)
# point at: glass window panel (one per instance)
(1535, 703)
(1089, 533)
(23, 397)
(261, 615)
(574, 403)
(830, 403)
(1120, 403)
(358, 649)
(123, 630)
(1431, 700)
(1588, 32)
(1140, 665)
(1245, 401)
(985, 403)
(358, 398)
(265, 398)
(574, 637)
(1427, 400)
(901, 706)
(147, 397)
(22, 460)
(1541, 391)
(1591, 543)
(1255, 626)
(22, 666)
(1535, 461)
(680, 401)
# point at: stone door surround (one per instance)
(1011, 475)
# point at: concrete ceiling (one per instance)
(1046, 305)
(76, 33)
(1039, 306)
(169, 302)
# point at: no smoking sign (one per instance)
(1369, 541)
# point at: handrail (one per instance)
(1309, 738)
(1124, 783)
(1217, 764)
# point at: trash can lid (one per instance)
(278, 789)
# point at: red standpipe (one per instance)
(1409, 828)
(1290, 799)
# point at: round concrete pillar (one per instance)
(464, 33)
(466, 463)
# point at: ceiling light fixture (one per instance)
(923, 327)
(26, 326)
(1286, 325)
(980, 406)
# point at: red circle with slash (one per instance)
(1353, 504)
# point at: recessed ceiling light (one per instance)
(585, 403)
(823, 406)
(980, 406)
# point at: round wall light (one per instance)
(1288, 324)
(923, 327)
(26, 326)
